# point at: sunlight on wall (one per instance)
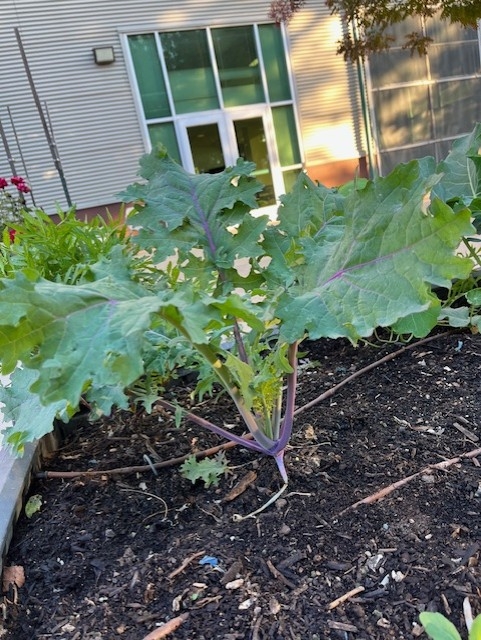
(335, 140)
(327, 89)
(50, 174)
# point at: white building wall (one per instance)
(92, 109)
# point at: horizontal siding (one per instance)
(92, 109)
(327, 89)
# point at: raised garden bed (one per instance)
(371, 488)
(119, 555)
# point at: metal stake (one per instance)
(10, 159)
(12, 124)
(51, 142)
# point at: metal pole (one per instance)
(20, 154)
(364, 107)
(10, 159)
(51, 142)
(365, 117)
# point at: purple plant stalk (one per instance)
(278, 447)
(213, 249)
(261, 442)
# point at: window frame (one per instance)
(431, 82)
(226, 114)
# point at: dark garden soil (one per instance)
(117, 556)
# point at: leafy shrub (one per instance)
(63, 250)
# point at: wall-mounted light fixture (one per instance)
(104, 55)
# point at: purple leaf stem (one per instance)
(203, 222)
(279, 458)
(210, 239)
(250, 444)
(288, 421)
(240, 343)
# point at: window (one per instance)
(212, 95)
(422, 103)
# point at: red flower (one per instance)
(20, 183)
(12, 233)
(3, 183)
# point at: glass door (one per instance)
(211, 142)
(204, 144)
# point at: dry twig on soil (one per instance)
(382, 493)
(350, 594)
(167, 628)
(185, 564)
(172, 462)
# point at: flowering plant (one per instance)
(12, 202)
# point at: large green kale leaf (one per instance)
(179, 211)
(31, 420)
(461, 179)
(392, 245)
(86, 338)
(76, 336)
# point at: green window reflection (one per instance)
(454, 106)
(163, 134)
(286, 136)
(189, 67)
(290, 177)
(251, 142)
(397, 65)
(148, 72)
(238, 64)
(274, 62)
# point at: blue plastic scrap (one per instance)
(213, 562)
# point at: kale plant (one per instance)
(238, 289)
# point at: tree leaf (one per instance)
(13, 575)
(438, 627)
(381, 269)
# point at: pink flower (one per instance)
(3, 183)
(20, 183)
